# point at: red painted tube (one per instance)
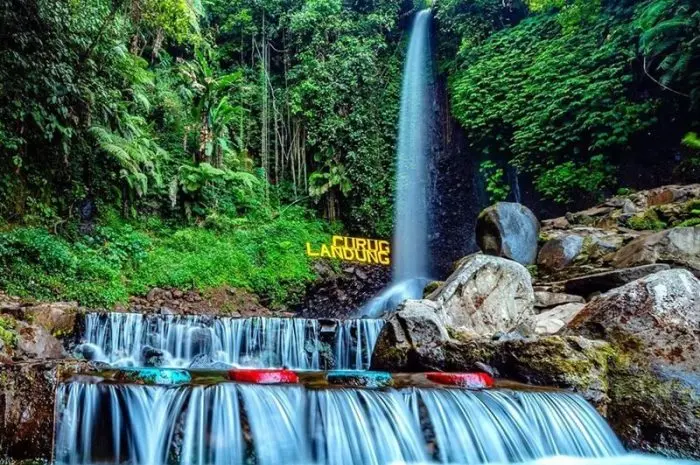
(465, 380)
(265, 376)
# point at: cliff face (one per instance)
(457, 193)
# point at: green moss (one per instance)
(8, 335)
(648, 220)
(688, 223)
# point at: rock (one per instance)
(657, 316)
(35, 342)
(656, 412)
(27, 401)
(152, 357)
(508, 230)
(677, 246)
(58, 318)
(602, 282)
(412, 334)
(567, 362)
(486, 295)
(152, 376)
(200, 340)
(546, 299)
(205, 361)
(89, 352)
(553, 320)
(560, 253)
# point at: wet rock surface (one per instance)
(340, 294)
(27, 406)
(559, 253)
(656, 411)
(508, 230)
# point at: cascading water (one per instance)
(289, 424)
(132, 339)
(411, 267)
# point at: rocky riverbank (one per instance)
(604, 302)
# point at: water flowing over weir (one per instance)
(269, 425)
(411, 264)
(129, 339)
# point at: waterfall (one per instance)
(411, 267)
(200, 425)
(177, 341)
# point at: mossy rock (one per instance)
(654, 412)
(648, 220)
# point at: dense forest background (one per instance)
(176, 143)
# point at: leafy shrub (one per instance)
(496, 185)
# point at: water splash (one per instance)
(131, 339)
(411, 267)
(230, 423)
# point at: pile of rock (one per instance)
(614, 314)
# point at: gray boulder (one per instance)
(553, 320)
(508, 230)
(35, 342)
(486, 295)
(658, 314)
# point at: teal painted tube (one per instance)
(359, 378)
(159, 376)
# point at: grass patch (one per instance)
(262, 255)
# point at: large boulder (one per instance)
(677, 246)
(411, 338)
(659, 315)
(508, 230)
(27, 402)
(486, 295)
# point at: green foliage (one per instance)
(562, 183)
(496, 185)
(670, 46)
(263, 255)
(692, 140)
(689, 222)
(553, 100)
(7, 331)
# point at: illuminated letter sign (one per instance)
(353, 249)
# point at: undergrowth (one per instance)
(262, 254)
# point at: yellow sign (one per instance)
(372, 251)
